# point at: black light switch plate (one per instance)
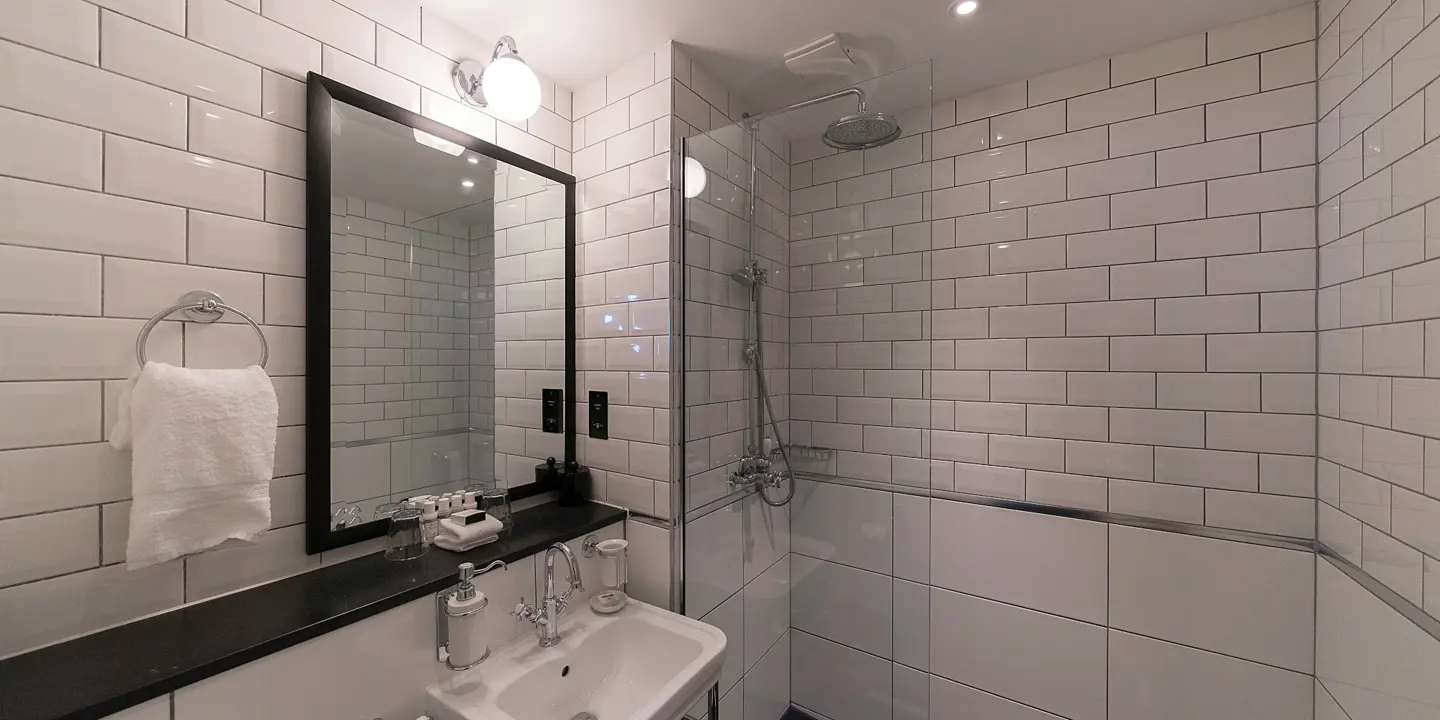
(599, 415)
(552, 410)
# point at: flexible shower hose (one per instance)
(769, 409)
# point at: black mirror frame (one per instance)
(320, 92)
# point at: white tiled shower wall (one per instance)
(1378, 475)
(1094, 288)
(105, 218)
(1091, 289)
(1377, 300)
(914, 608)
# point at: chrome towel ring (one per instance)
(200, 306)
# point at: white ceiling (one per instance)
(742, 41)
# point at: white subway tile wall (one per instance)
(1102, 267)
(123, 220)
(412, 339)
(622, 138)
(1378, 487)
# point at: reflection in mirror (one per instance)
(416, 222)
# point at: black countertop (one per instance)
(109, 671)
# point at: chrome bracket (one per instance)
(591, 547)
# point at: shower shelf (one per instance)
(809, 452)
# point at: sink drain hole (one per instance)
(566, 673)
(585, 716)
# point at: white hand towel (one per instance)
(203, 446)
(449, 542)
(466, 534)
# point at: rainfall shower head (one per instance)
(861, 131)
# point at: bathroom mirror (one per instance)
(424, 374)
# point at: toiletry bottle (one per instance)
(430, 521)
(465, 620)
(442, 506)
(469, 502)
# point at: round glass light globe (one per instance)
(511, 89)
(695, 178)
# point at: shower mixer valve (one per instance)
(750, 274)
(758, 471)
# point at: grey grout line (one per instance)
(1321, 684)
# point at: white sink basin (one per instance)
(642, 663)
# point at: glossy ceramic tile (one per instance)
(767, 607)
(714, 562)
(1374, 662)
(954, 701)
(1041, 660)
(1150, 678)
(155, 56)
(1238, 599)
(842, 604)
(836, 681)
(846, 525)
(1069, 583)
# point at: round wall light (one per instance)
(507, 87)
(694, 178)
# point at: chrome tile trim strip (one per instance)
(1284, 542)
(714, 505)
(651, 520)
(1396, 601)
(400, 438)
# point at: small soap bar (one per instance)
(468, 517)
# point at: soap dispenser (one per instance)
(467, 634)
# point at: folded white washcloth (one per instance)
(449, 542)
(466, 534)
(203, 452)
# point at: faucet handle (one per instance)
(524, 612)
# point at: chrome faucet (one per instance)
(546, 617)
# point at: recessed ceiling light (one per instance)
(965, 7)
(473, 160)
(467, 183)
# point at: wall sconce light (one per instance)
(694, 182)
(507, 86)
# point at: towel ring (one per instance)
(200, 306)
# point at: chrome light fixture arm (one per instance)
(469, 76)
